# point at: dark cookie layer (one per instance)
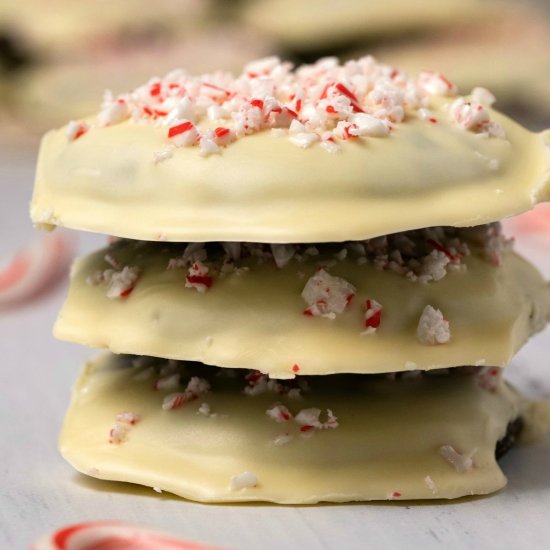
(513, 431)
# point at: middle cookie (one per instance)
(426, 299)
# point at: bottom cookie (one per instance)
(225, 435)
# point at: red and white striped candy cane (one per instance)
(533, 221)
(111, 535)
(35, 268)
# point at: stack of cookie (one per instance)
(309, 299)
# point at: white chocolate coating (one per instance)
(266, 189)
(373, 454)
(254, 319)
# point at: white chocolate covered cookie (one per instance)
(415, 303)
(326, 153)
(219, 436)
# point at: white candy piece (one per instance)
(282, 253)
(120, 282)
(76, 129)
(114, 113)
(326, 295)
(432, 327)
(245, 480)
(436, 84)
(462, 463)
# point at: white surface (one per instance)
(39, 492)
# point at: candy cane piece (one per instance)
(112, 536)
(35, 268)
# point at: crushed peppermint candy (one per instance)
(196, 387)
(309, 419)
(75, 130)
(245, 480)
(489, 378)
(434, 265)
(462, 463)
(436, 84)
(325, 103)
(258, 383)
(422, 255)
(198, 277)
(373, 316)
(114, 111)
(282, 254)
(119, 431)
(430, 483)
(208, 145)
(118, 434)
(119, 283)
(170, 382)
(279, 413)
(426, 114)
(206, 410)
(174, 401)
(474, 116)
(163, 154)
(282, 439)
(495, 243)
(183, 134)
(194, 252)
(483, 96)
(432, 327)
(127, 417)
(326, 295)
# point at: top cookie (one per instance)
(327, 152)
